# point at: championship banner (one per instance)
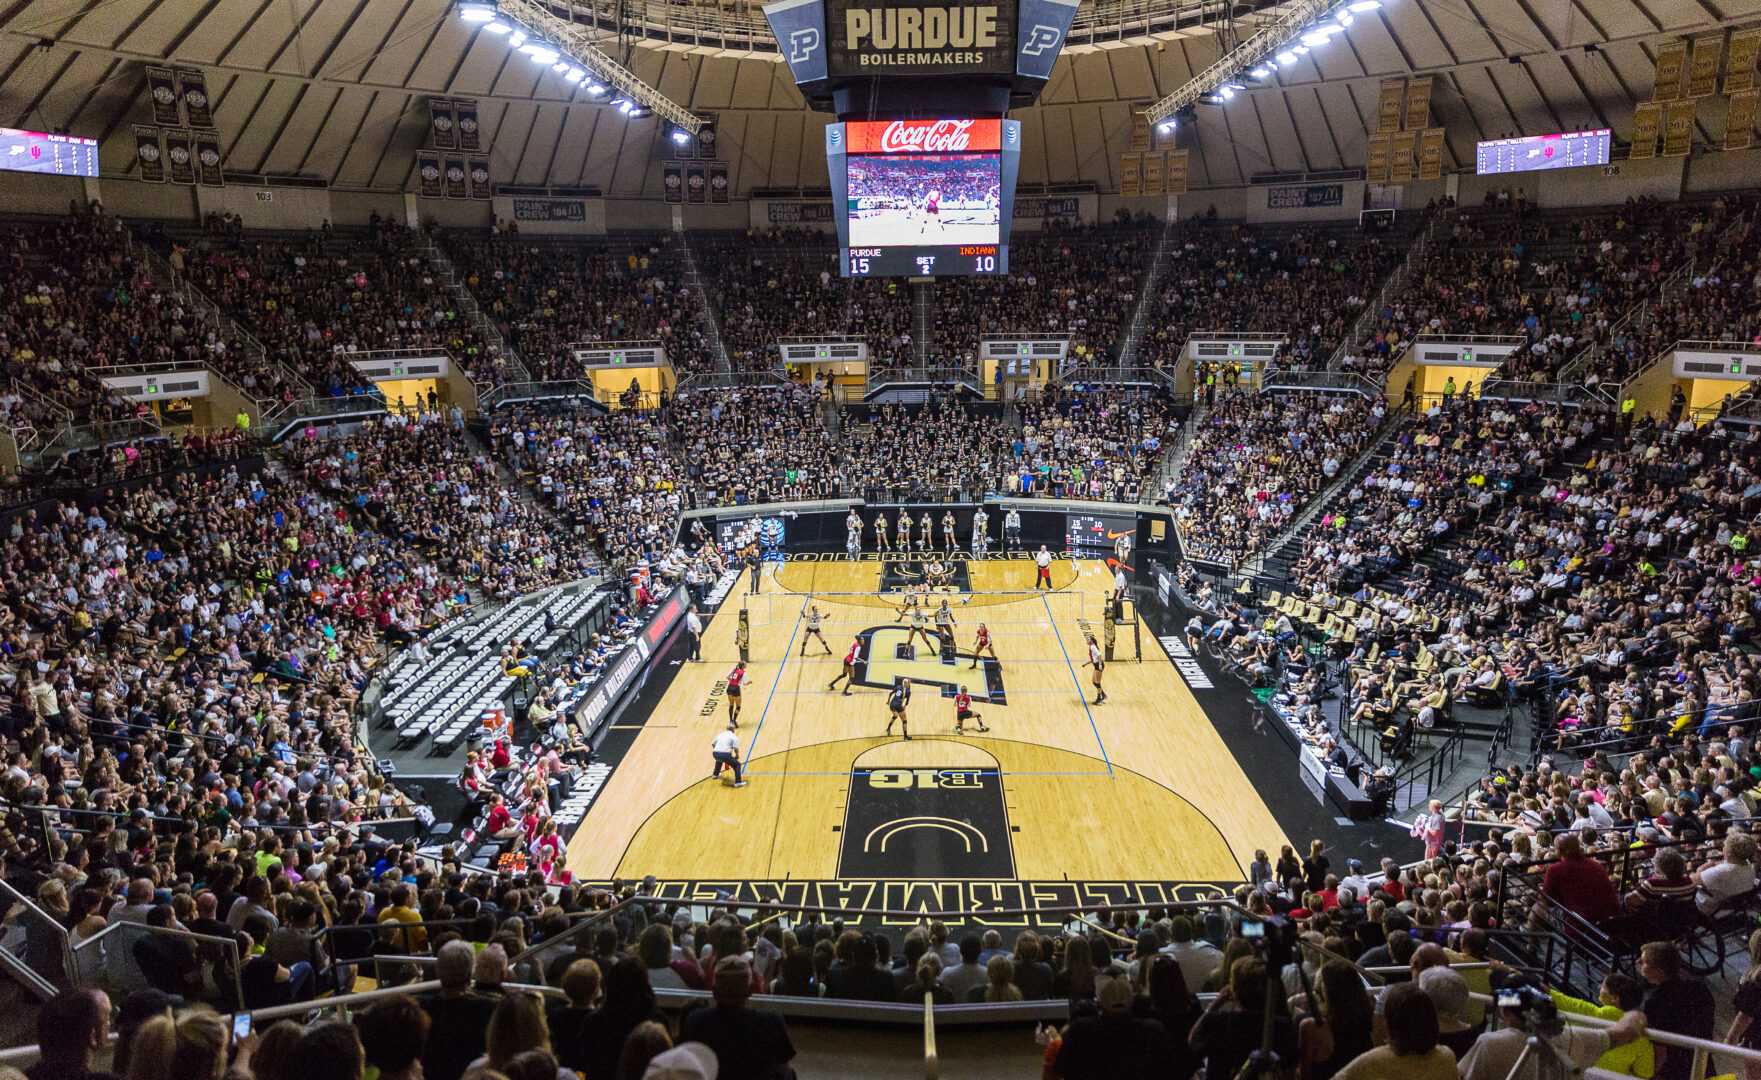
(1388, 106)
(718, 182)
(1140, 132)
(193, 90)
(696, 184)
(162, 89)
(867, 38)
(208, 160)
(148, 153)
(1678, 127)
(1130, 174)
(1739, 120)
(1739, 67)
(1672, 62)
(1703, 68)
(1400, 151)
(1175, 172)
(1418, 104)
(1431, 154)
(465, 119)
(706, 139)
(672, 181)
(1647, 122)
(1152, 172)
(455, 178)
(442, 129)
(477, 174)
(1376, 160)
(429, 175)
(799, 26)
(181, 156)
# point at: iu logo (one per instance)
(926, 136)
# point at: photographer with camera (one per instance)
(1530, 1029)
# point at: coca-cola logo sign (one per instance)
(924, 136)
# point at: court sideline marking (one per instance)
(1074, 681)
(775, 682)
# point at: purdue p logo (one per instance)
(888, 655)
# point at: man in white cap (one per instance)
(686, 1061)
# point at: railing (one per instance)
(934, 375)
(43, 957)
(511, 393)
(278, 420)
(931, 1060)
(96, 436)
(722, 380)
(1636, 318)
(1575, 395)
(1338, 382)
(1118, 376)
(1396, 278)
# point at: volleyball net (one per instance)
(999, 610)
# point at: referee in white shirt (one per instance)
(694, 627)
(727, 755)
(1043, 561)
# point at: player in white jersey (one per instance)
(814, 619)
(880, 532)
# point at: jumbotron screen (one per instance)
(923, 198)
(44, 152)
(1531, 153)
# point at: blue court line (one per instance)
(773, 685)
(1077, 682)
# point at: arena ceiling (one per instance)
(336, 89)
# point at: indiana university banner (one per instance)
(193, 89)
(208, 164)
(162, 89)
(181, 156)
(477, 172)
(455, 178)
(1739, 120)
(429, 176)
(672, 181)
(465, 119)
(442, 130)
(148, 153)
(718, 181)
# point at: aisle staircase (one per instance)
(517, 371)
(706, 318)
(1146, 297)
(1391, 285)
(1173, 462)
(923, 321)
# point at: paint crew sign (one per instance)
(870, 37)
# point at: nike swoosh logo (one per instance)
(1111, 535)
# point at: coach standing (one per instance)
(753, 565)
(1044, 562)
(694, 627)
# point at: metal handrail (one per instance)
(1324, 381)
(509, 393)
(931, 1060)
(228, 947)
(1470, 339)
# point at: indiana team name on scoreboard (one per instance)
(872, 37)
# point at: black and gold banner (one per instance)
(1130, 175)
(1153, 172)
(208, 163)
(1431, 154)
(162, 91)
(1647, 122)
(464, 114)
(455, 178)
(1388, 106)
(477, 174)
(1418, 104)
(1376, 160)
(443, 130)
(149, 154)
(1703, 68)
(180, 156)
(1174, 172)
(696, 183)
(1739, 67)
(1672, 63)
(429, 176)
(706, 136)
(1739, 120)
(672, 181)
(718, 182)
(1400, 153)
(192, 89)
(1678, 127)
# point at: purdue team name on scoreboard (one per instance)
(874, 38)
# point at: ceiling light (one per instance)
(1234, 86)
(1227, 93)
(541, 54)
(575, 75)
(595, 89)
(1344, 18)
(1358, 7)
(625, 107)
(496, 27)
(1166, 127)
(1301, 50)
(517, 38)
(1286, 57)
(1315, 40)
(681, 136)
(560, 66)
(477, 13)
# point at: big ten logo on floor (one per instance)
(889, 654)
(930, 821)
(713, 701)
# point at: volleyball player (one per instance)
(880, 532)
(853, 533)
(963, 712)
(980, 527)
(904, 530)
(897, 703)
(743, 636)
(945, 625)
(848, 675)
(936, 573)
(919, 625)
(736, 679)
(926, 532)
(1099, 664)
(949, 543)
(813, 620)
(983, 645)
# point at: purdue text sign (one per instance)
(877, 37)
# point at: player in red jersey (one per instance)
(848, 676)
(736, 679)
(983, 645)
(963, 712)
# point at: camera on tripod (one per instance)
(1534, 1008)
(1275, 936)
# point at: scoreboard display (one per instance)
(1532, 153)
(923, 198)
(43, 152)
(1097, 532)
